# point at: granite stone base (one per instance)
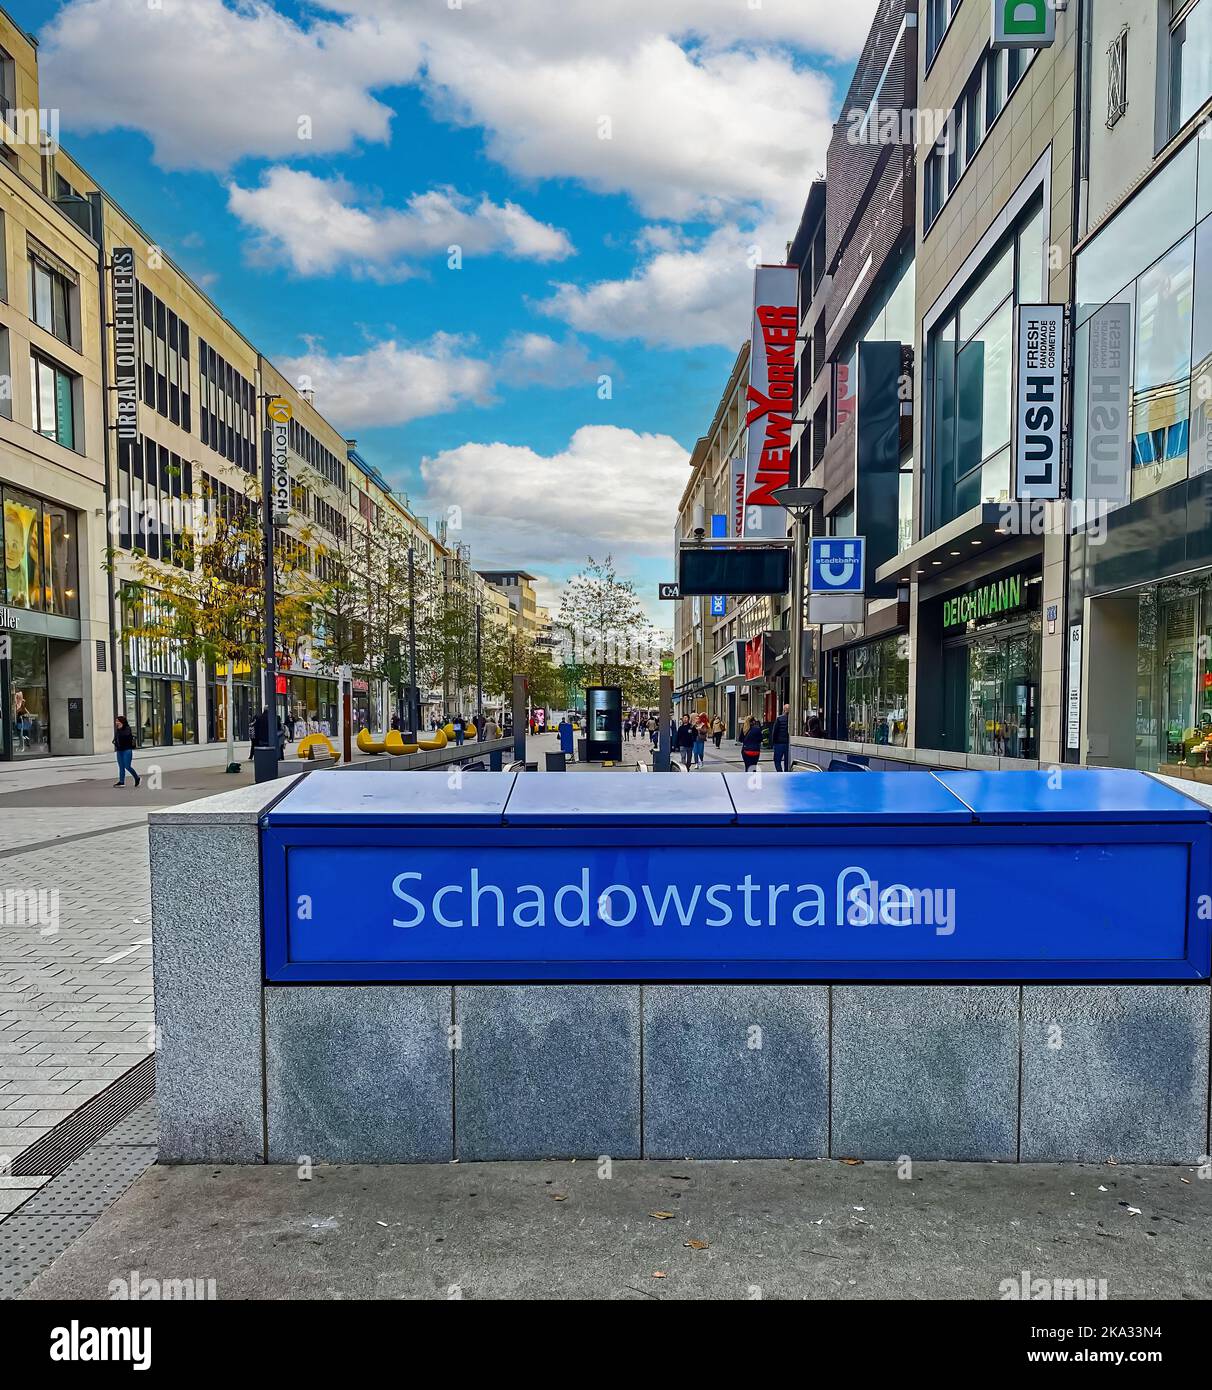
(1115, 1071)
(547, 1071)
(736, 1071)
(927, 1071)
(357, 1074)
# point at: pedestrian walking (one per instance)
(684, 741)
(751, 742)
(124, 747)
(460, 730)
(717, 730)
(700, 742)
(564, 732)
(780, 740)
(654, 731)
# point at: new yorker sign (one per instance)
(989, 601)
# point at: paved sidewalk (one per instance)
(781, 1230)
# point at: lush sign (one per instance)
(990, 600)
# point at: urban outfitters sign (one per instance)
(1024, 23)
(126, 344)
(990, 600)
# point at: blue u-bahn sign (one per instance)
(892, 876)
(835, 564)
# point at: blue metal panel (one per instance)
(887, 798)
(659, 878)
(1087, 795)
(382, 797)
(621, 798)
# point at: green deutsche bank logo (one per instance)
(1024, 23)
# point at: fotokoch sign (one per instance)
(726, 877)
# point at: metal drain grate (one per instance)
(31, 1244)
(67, 1141)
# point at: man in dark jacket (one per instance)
(684, 741)
(780, 740)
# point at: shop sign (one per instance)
(1038, 383)
(667, 666)
(771, 398)
(1109, 404)
(753, 658)
(1024, 23)
(1074, 703)
(836, 564)
(736, 515)
(990, 600)
(279, 412)
(9, 619)
(126, 343)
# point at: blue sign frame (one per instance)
(801, 878)
(836, 564)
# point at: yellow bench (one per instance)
(311, 742)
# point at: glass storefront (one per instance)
(991, 637)
(27, 714)
(311, 701)
(244, 700)
(877, 692)
(161, 711)
(40, 555)
(1174, 674)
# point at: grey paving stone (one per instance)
(358, 1074)
(547, 1070)
(206, 907)
(1115, 1071)
(736, 1071)
(930, 1071)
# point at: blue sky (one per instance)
(609, 171)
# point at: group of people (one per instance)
(689, 738)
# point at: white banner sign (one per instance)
(279, 443)
(736, 497)
(771, 398)
(1074, 711)
(1024, 23)
(1109, 405)
(1038, 384)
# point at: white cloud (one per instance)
(391, 382)
(534, 359)
(209, 83)
(322, 225)
(610, 489)
(684, 294)
(689, 134)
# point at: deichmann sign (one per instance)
(126, 343)
(990, 600)
(1038, 385)
(1024, 23)
(279, 412)
(771, 398)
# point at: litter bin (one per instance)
(556, 762)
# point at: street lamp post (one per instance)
(414, 695)
(479, 669)
(799, 503)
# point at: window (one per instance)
(1117, 77)
(50, 299)
(938, 17)
(877, 692)
(982, 100)
(969, 372)
(6, 380)
(54, 390)
(1190, 60)
(228, 409)
(164, 341)
(40, 555)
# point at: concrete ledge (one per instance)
(736, 1071)
(930, 1071)
(206, 955)
(357, 1075)
(547, 1071)
(1115, 1071)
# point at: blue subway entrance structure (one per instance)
(1085, 875)
(390, 967)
